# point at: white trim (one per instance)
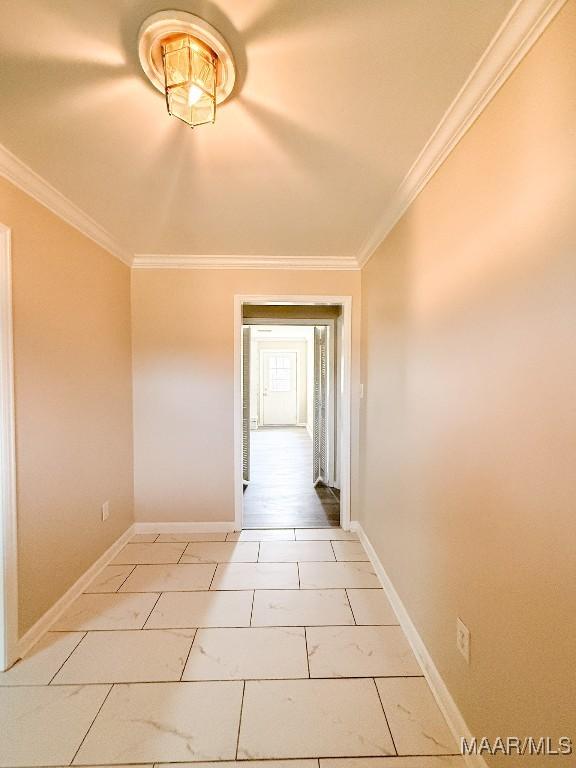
(183, 527)
(447, 705)
(8, 510)
(345, 430)
(29, 181)
(520, 30)
(60, 606)
(242, 261)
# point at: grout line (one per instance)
(252, 608)
(150, 614)
(214, 626)
(352, 610)
(172, 562)
(240, 718)
(307, 657)
(67, 657)
(91, 724)
(244, 562)
(218, 679)
(385, 715)
(125, 580)
(194, 636)
(334, 551)
(212, 579)
(250, 761)
(298, 569)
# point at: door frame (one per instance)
(345, 302)
(261, 353)
(8, 520)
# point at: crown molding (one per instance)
(190, 261)
(29, 181)
(522, 27)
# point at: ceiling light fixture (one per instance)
(189, 61)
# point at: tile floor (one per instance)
(274, 647)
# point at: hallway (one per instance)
(247, 246)
(281, 493)
(259, 645)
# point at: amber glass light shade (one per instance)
(190, 74)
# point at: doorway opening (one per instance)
(290, 479)
(292, 413)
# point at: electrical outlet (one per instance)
(105, 510)
(463, 639)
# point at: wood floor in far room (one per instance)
(281, 493)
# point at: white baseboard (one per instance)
(53, 614)
(142, 527)
(447, 705)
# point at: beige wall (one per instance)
(183, 346)
(469, 425)
(73, 400)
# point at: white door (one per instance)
(278, 381)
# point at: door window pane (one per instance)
(279, 373)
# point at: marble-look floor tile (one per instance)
(256, 576)
(415, 719)
(371, 606)
(44, 725)
(166, 722)
(221, 552)
(131, 656)
(339, 575)
(201, 609)
(42, 662)
(169, 578)
(168, 538)
(112, 611)
(149, 554)
(359, 652)
(295, 551)
(349, 551)
(266, 534)
(247, 654)
(144, 538)
(324, 534)
(300, 608)
(312, 718)
(110, 579)
(429, 761)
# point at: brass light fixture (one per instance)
(189, 61)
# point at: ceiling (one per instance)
(336, 99)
